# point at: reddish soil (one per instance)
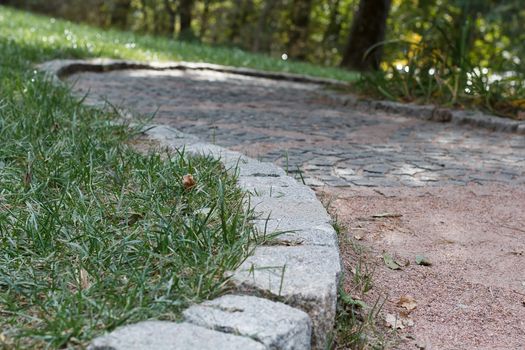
(473, 294)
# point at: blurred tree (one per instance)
(241, 10)
(118, 13)
(185, 16)
(368, 29)
(263, 33)
(331, 34)
(487, 32)
(205, 16)
(298, 34)
(172, 16)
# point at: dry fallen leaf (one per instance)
(188, 181)
(84, 279)
(401, 261)
(408, 322)
(387, 215)
(390, 263)
(397, 322)
(393, 322)
(408, 302)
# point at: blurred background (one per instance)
(422, 50)
(492, 32)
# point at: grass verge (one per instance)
(93, 234)
(53, 38)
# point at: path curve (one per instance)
(458, 192)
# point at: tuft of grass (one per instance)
(356, 325)
(442, 70)
(54, 38)
(92, 233)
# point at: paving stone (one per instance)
(377, 168)
(287, 118)
(366, 182)
(162, 335)
(305, 277)
(276, 325)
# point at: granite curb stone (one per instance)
(302, 275)
(63, 68)
(163, 335)
(305, 277)
(276, 325)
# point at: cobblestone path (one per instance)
(305, 132)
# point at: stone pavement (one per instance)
(298, 127)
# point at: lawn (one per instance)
(94, 234)
(46, 38)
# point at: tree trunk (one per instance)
(368, 28)
(262, 31)
(240, 17)
(185, 16)
(119, 13)
(331, 33)
(171, 17)
(298, 38)
(204, 19)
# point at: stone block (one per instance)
(276, 325)
(305, 277)
(287, 234)
(162, 335)
(282, 188)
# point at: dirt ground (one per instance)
(472, 296)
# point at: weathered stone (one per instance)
(365, 182)
(276, 325)
(271, 187)
(311, 213)
(305, 277)
(260, 169)
(377, 168)
(442, 115)
(162, 335)
(171, 136)
(287, 234)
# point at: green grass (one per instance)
(92, 233)
(54, 38)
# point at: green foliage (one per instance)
(53, 38)
(446, 59)
(251, 25)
